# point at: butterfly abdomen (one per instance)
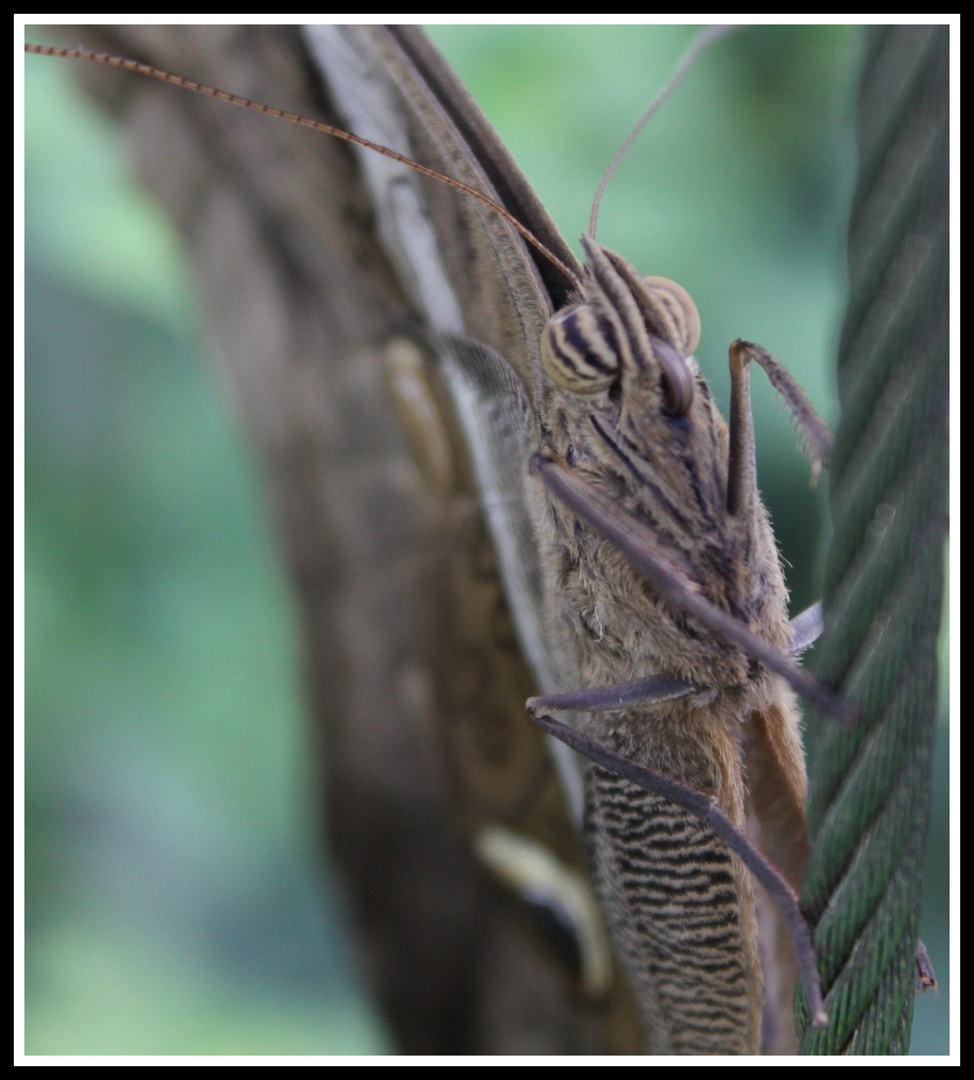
(680, 906)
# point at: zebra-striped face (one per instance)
(625, 325)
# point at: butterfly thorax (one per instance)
(648, 436)
(652, 440)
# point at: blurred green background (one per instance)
(176, 901)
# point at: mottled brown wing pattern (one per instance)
(497, 768)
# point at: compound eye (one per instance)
(680, 311)
(579, 351)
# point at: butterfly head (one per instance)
(625, 328)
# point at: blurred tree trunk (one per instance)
(302, 303)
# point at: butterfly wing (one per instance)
(400, 596)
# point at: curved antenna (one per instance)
(704, 39)
(304, 121)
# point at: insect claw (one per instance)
(926, 976)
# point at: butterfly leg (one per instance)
(617, 524)
(742, 484)
(806, 628)
(649, 691)
(816, 439)
(926, 976)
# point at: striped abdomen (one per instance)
(682, 916)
